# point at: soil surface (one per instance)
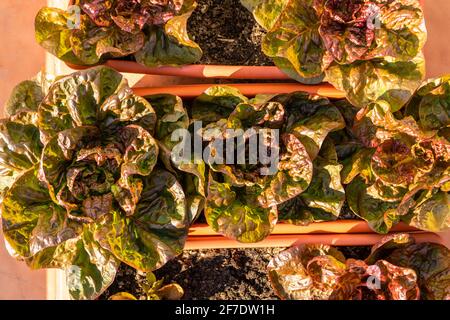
(227, 33)
(216, 274)
(219, 274)
(346, 213)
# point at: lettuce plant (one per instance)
(368, 48)
(93, 178)
(400, 171)
(90, 191)
(155, 32)
(396, 269)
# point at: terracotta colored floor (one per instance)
(21, 58)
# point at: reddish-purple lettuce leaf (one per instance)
(319, 272)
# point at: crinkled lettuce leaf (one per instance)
(366, 202)
(26, 96)
(76, 100)
(293, 38)
(171, 126)
(387, 79)
(53, 34)
(30, 220)
(431, 261)
(157, 230)
(215, 103)
(229, 212)
(430, 105)
(89, 269)
(170, 44)
(20, 147)
(96, 194)
(397, 269)
(367, 48)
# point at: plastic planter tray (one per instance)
(339, 233)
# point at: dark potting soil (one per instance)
(227, 33)
(216, 274)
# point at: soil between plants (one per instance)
(227, 33)
(215, 274)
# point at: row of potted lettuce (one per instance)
(90, 178)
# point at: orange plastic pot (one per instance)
(336, 233)
(287, 240)
(248, 89)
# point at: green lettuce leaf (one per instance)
(53, 34)
(366, 202)
(433, 214)
(26, 96)
(386, 79)
(293, 39)
(171, 116)
(228, 212)
(155, 33)
(20, 146)
(75, 100)
(171, 44)
(320, 272)
(215, 103)
(265, 12)
(430, 106)
(22, 206)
